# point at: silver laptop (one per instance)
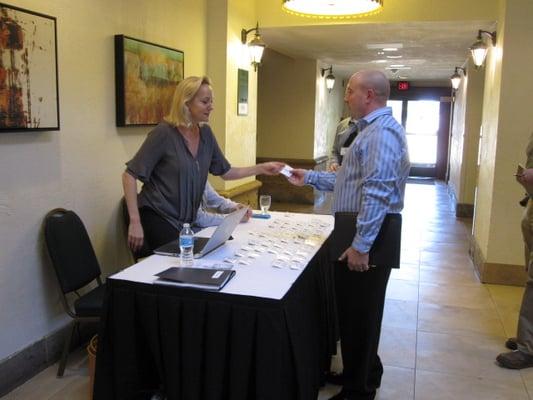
(203, 246)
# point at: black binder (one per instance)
(386, 248)
(198, 278)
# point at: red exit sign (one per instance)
(403, 85)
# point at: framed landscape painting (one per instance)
(29, 94)
(146, 76)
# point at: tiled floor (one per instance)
(441, 331)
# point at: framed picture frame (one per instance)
(29, 92)
(146, 75)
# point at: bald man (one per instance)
(370, 183)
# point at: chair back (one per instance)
(70, 250)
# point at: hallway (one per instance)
(442, 329)
(441, 332)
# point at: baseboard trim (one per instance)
(501, 274)
(28, 362)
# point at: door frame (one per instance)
(444, 96)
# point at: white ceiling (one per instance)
(430, 49)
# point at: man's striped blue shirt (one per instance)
(371, 180)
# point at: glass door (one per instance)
(421, 128)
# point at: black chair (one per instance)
(75, 265)
(144, 251)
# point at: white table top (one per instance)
(277, 251)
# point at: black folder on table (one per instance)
(386, 248)
(198, 278)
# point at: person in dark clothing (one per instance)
(173, 164)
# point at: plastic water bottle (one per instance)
(186, 246)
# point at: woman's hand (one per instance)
(526, 177)
(135, 236)
(246, 217)
(270, 168)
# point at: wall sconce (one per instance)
(256, 45)
(480, 48)
(456, 77)
(330, 78)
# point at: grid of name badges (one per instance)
(286, 242)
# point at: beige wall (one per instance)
(79, 166)
(465, 134)
(298, 115)
(241, 131)
(286, 100)
(236, 134)
(457, 131)
(507, 124)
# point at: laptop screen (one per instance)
(224, 231)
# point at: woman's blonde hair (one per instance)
(185, 91)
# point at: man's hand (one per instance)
(333, 167)
(356, 261)
(297, 177)
(270, 168)
(248, 215)
(135, 236)
(526, 177)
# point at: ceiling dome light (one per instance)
(332, 8)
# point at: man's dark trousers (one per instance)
(360, 302)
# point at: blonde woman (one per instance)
(173, 164)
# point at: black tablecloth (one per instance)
(190, 344)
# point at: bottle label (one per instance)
(186, 241)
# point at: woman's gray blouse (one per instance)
(174, 180)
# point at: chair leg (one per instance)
(66, 348)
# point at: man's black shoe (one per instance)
(511, 344)
(334, 378)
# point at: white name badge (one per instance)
(344, 150)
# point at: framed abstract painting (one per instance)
(146, 75)
(29, 93)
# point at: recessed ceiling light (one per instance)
(379, 61)
(391, 67)
(390, 49)
(380, 53)
(397, 65)
(403, 77)
(398, 56)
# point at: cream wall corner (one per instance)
(78, 167)
(465, 134)
(507, 124)
(236, 134)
